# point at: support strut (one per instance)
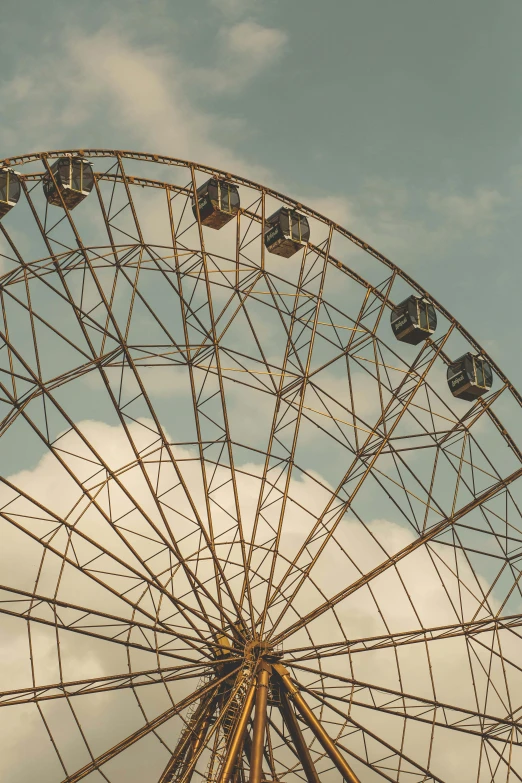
(258, 734)
(310, 719)
(192, 736)
(299, 741)
(238, 736)
(192, 757)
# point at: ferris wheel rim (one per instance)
(154, 158)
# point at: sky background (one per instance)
(401, 120)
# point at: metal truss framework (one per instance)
(225, 535)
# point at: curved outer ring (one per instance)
(168, 161)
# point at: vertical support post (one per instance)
(298, 739)
(310, 719)
(238, 241)
(258, 734)
(238, 736)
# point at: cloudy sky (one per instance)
(403, 122)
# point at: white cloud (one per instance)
(150, 97)
(232, 7)
(381, 215)
(402, 223)
(245, 50)
(476, 212)
(143, 95)
(146, 92)
(248, 48)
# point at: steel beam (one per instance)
(238, 736)
(190, 740)
(198, 740)
(392, 561)
(299, 741)
(147, 728)
(258, 734)
(310, 719)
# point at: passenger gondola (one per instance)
(413, 320)
(218, 203)
(470, 377)
(73, 181)
(286, 232)
(10, 189)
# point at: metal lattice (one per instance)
(286, 551)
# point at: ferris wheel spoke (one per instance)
(280, 412)
(170, 542)
(325, 530)
(499, 756)
(456, 462)
(436, 440)
(100, 565)
(91, 498)
(387, 760)
(147, 728)
(392, 561)
(189, 565)
(187, 313)
(405, 705)
(157, 638)
(215, 422)
(66, 690)
(380, 764)
(379, 476)
(303, 320)
(311, 321)
(405, 638)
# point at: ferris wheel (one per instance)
(261, 506)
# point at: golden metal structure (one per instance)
(238, 737)
(258, 734)
(307, 714)
(298, 739)
(284, 547)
